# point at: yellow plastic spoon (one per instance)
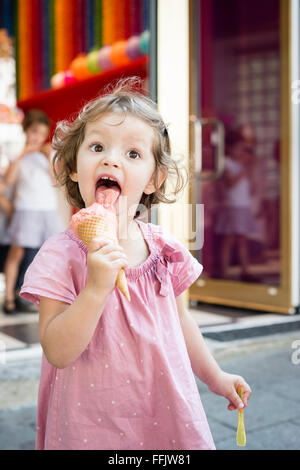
(240, 434)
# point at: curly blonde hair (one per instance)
(123, 97)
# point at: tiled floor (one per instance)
(21, 330)
(217, 315)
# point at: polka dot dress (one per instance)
(133, 386)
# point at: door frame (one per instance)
(283, 298)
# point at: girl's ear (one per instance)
(74, 177)
(161, 176)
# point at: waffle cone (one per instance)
(99, 227)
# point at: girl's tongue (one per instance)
(107, 196)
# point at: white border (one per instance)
(295, 176)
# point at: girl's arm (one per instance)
(204, 365)
(5, 204)
(12, 171)
(66, 330)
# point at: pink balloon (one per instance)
(104, 59)
(69, 77)
(133, 50)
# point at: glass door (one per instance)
(240, 141)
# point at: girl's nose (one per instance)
(111, 160)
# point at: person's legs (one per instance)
(226, 250)
(24, 305)
(3, 255)
(242, 245)
(29, 254)
(11, 269)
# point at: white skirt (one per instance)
(30, 229)
(235, 220)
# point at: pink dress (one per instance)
(133, 387)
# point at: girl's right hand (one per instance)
(104, 261)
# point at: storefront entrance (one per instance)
(240, 140)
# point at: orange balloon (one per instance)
(79, 67)
(118, 54)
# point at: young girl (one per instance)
(235, 220)
(35, 217)
(118, 374)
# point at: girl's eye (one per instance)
(96, 147)
(133, 154)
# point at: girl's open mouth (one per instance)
(107, 190)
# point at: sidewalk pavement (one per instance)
(272, 417)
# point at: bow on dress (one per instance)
(168, 255)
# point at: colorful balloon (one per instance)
(145, 42)
(133, 50)
(104, 60)
(79, 67)
(92, 62)
(118, 54)
(69, 77)
(57, 80)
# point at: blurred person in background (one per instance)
(235, 220)
(35, 217)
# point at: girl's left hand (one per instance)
(226, 385)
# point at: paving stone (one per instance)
(272, 418)
(283, 436)
(18, 429)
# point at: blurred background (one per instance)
(225, 75)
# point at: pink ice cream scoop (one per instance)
(100, 221)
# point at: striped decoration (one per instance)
(107, 22)
(45, 25)
(25, 43)
(63, 33)
(98, 21)
(49, 34)
(89, 25)
(37, 38)
(118, 16)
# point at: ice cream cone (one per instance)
(88, 225)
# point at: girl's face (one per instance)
(242, 151)
(121, 148)
(37, 134)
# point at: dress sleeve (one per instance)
(182, 265)
(58, 271)
(185, 272)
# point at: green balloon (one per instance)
(144, 42)
(92, 62)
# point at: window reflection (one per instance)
(242, 207)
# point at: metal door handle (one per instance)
(198, 124)
(197, 145)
